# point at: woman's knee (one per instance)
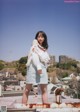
(44, 89)
(27, 89)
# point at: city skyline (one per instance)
(21, 19)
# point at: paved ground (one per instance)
(10, 101)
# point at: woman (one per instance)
(36, 71)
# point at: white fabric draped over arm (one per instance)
(43, 55)
(36, 61)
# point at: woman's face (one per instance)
(40, 38)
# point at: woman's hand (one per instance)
(39, 71)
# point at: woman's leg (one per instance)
(26, 93)
(44, 93)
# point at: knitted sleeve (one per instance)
(36, 61)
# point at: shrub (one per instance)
(1, 66)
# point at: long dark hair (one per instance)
(45, 43)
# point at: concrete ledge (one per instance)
(21, 110)
(46, 110)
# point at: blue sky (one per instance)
(21, 19)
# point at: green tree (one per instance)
(78, 70)
(22, 65)
(67, 66)
(1, 66)
(64, 74)
(24, 72)
(23, 60)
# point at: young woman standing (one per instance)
(37, 70)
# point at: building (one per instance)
(65, 59)
(52, 59)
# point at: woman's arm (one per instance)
(36, 62)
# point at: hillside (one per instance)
(59, 69)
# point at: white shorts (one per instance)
(33, 78)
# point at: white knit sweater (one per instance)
(37, 55)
